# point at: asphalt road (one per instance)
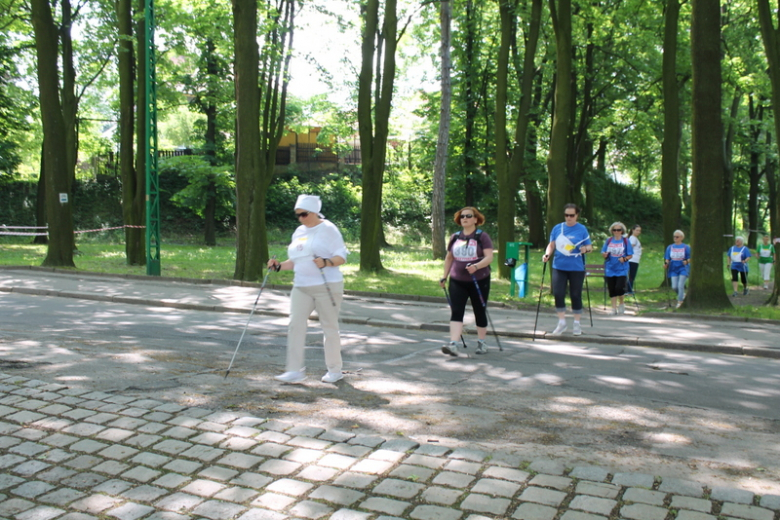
(686, 414)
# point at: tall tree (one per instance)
(57, 180)
(375, 95)
(438, 218)
(706, 283)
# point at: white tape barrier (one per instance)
(3, 231)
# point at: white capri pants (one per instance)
(766, 271)
(303, 300)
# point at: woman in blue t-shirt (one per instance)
(569, 240)
(677, 258)
(737, 256)
(617, 251)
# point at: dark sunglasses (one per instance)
(616, 229)
(572, 215)
(302, 214)
(465, 216)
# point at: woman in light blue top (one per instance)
(617, 251)
(569, 241)
(677, 258)
(738, 256)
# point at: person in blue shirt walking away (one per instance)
(738, 256)
(569, 241)
(677, 259)
(617, 251)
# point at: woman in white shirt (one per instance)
(315, 253)
(633, 264)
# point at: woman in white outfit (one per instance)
(633, 264)
(315, 253)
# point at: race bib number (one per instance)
(736, 256)
(615, 249)
(565, 246)
(465, 250)
(766, 253)
(677, 253)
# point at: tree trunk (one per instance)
(133, 181)
(507, 189)
(755, 173)
(40, 202)
(557, 184)
(58, 203)
(70, 105)
(470, 74)
(670, 158)
(438, 217)
(728, 172)
(706, 283)
(210, 110)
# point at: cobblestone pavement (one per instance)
(75, 454)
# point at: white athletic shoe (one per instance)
(450, 348)
(622, 308)
(766, 286)
(481, 347)
(613, 312)
(679, 304)
(576, 329)
(560, 329)
(332, 377)
(292, 377)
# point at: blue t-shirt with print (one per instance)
(676, 255)
(738, 255)
(617, 249)
(568, 240)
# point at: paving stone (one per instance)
(241, 431)
(204, 453)
(441, 495)
(167, 515)
(373, 467)
(238, 444)
(547, 497)
(95, 504)
(7, 442)
(771, 502)
(31, 467)
(83, 429)
(157, 417)
(432, 450)
(241, 460)
(633, 480)
(7, 480)
(337, 495)
(257, 514)
(336, 435)
(237, 494)
(55, 474)
(130, 511)
(307, 442)
(152, 427)
(31, 404)
(597, 489)
(495, 487)
(210, 438)
(412, 473)
(290, 486)
(317, 473)
(727, 494)
(183, 466)
(468, 454)
(113, 487)
(681, 487)
(8, 460)
(88, 446)
(171, 480)
(56, 456)
(305, 431)
(135, 412)
(547, 467)
(52, 423)
(86, 480)
(179, 502)
(335, 460)
(350, 450)
(370, 441)
(485, 504)
(270, 449)
(579, 515)
(127, 423)
(218, 510)
(101, 418)
(252, 480)
(172, 447)
(599, 506)
(552, 481)
(273, 436)
(40, 513)
(693, 515)
(303, 455)
(141, 474)
(427, 461)
(426, 512)
(143, 440)
(274, 501)
(462, 466)
(147, 403)
(112, 409)
(114, 434)
(530, 511)
(14, 506)
(400, 445)
(28, 449)
(385, 505)
(644, 496)
(593, 473)
(398, 488)
(184, 421)
(746, 512)
(144, 493)
(695, 504)
(118, 452)
(203, 488)
(310, 509)
(179, 432)
(349, 514)
(456, 480)
(515, 475)
(218, 473)
(152, 460)
(31, 434)
(643, 512)
(32, 489)
(279, 467)
(83, 462)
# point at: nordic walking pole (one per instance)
(666, 284)
(538, 305)
(268, 272)
(449, 302)
(325, 281)
(587, 290)
(484, 304)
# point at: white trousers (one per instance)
(766, 271)
(303, 300)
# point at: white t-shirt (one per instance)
(323, 240)
(637, 245)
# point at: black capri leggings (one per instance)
(460, 292)
(574, 279)
(742, 275)
(616, 285)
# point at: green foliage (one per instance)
(619, 202)
(200, 175)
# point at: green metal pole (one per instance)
(150, 147)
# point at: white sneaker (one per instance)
(622, 308)
(560, 329)
(613, 312)
(450, 348)
(766, 286)
(332, 377)
(679, 304)
(292, 377)
(576, 329)
(481, 347)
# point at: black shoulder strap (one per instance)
(477, 235)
